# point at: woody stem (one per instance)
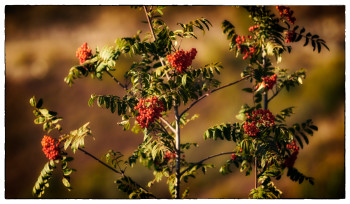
(178, 152)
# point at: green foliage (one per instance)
(151, 74)
(114, 103)
(192, 170)
(187, 29)
(43, 179)
(226, 167)
(315, 40)
(113, 158)
(76, 138)
(229, 132)
(43, 116)
(266, 191)
(66, 171)
(300, 132)
(296, 176)
(229, 30)
(127, 185)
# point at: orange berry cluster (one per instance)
(286, 12)
(182, 59)
(289, 36)
(50, 149)
(252, 28)
(83, 53)
(149, 110)
(169, 156)
(233, 156)
(268, 82)
(256, 119)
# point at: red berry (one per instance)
(233, 156)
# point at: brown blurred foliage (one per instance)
(40, 45)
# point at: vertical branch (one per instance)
(265, 105)
(178, 156)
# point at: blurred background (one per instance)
(40, 46)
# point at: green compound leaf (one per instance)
(76, 137)
(44, 177)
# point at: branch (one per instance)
(116, 80)
(203, 160)
(103, 163)
(178, 153)
(154, 36)
(274, 95)
(168, 124)
(277, 92)
(166, 132)
(210, 92)
(111, 168)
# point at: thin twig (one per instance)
(278, 90)
(274, 95)
(154, 36)
(116, 80)
(203, 160)
(210, 92)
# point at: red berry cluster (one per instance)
(256, 119)
(169, 156)
(289, 36)
(289, 162)
(268, 82)
(293, 146)
(233, 156)
(149, 110)
(51, 150)
(83, 53)
(286, 12)
(250, 53)
(182, 59)
(239, 41)
(252, 28)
